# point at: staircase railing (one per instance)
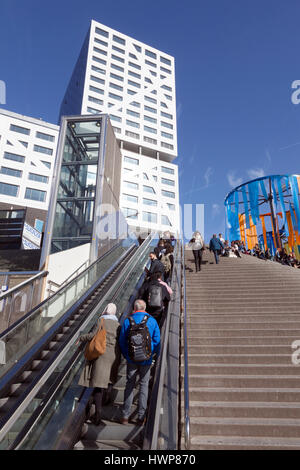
(187, 438)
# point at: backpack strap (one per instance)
(131, 321)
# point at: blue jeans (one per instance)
(144, 375)
(216, 253)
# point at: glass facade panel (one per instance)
(73, 222)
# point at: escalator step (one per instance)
(36, 364)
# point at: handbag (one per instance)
(97, 346)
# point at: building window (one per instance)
(115, 118)
(150, 129)
(116, 87)
(97, 69)
(136, 66)
(117, 67)
(117, 130)
(35, 194)
(168, 193)
(168, 97)
(99, 41)
(164, 60)
(130, 213)
(138, 48)
(117, 77)
(167, 135)
(149, 202)
(40, 149)
(165, 87)
(115, 97)
(137, 85)
(150, 63)
(117, 49)
(150, 119)
(47, 164)
(100, 61)
(132, 123)
(131, 92)
(95, 100)
(38, 178)
(99, 51)
(150, 217)
(132, 134)
(102, 32)
(119, 40)
(151, 110)
(165, 220)
(115, 57)
(133, 161)
(96, 90)
(21, 130)
(98, 80)
(167, 181)
(93, 110)
(133, 113)
(14, 157)
(166, 124)
(130, 185)
(149, 140)
(133, 74)
(136, 104)
(167, 115)
(11, 172)
(9, 189)
(153, 73)
(133, 56)
(41, 135)
(165, 169)
(171, 207)
(150, 54)
(163, 69)
(148, 189)
(130, 198)
(167, 146)
(152, 100)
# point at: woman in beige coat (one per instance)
(102, 371)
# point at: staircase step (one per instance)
(243, 443)
(245, 409)
(268, 427)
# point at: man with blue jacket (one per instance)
(138, 368)
(215, 245)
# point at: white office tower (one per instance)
(135, 84)
(27, 154)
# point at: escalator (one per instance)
(40, 346)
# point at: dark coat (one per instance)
(103, 370)
(215, 244)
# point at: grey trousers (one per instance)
(144, 375)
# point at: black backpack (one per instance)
(139, 340)
(155, 299)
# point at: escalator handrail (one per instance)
(58, 292)
(74, 357)
(20, 286)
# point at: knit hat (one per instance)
(110, 309)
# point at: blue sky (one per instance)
(235, 63)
